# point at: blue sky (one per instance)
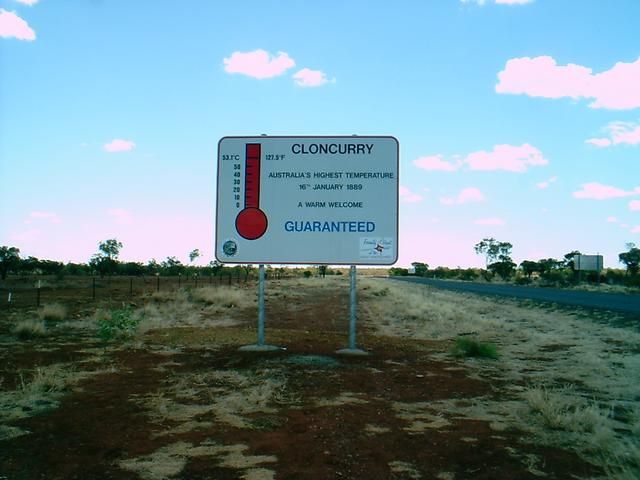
(75, 76)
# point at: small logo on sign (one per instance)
(376, 247)
(230, 248)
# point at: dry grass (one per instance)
(169, 461)
(405, 470)
(201, 308)
(583, 375)
(345, 398)
(53, 312)
(419, 416)
(27, 329)
(38, 390)
(228, 396)
(226, 297)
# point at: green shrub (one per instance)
(523, 280)
(119, 322)
(306, 274)
(469, 347)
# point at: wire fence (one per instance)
(35, 291)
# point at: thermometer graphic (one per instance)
(251, 222)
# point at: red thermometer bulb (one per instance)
(251, 222)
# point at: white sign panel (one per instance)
(326, 200)
(587, 262)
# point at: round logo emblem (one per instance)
(230, 248)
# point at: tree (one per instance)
(131, 268)
(547, 264)
(152, 267)
(172, 266)
(195, 253)
(568, 259)
(322, 270)
(630, 258)
(420, 268)
(101, 264)
(110, 248)
(29, 265)
(214, 267)
(106, 260)
(493, 250)
(398, 272)
(504, 267)
(9, 260)
(528, 267)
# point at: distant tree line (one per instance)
(105, 262)
(545, 272)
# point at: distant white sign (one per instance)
(328, 200)
(588, 262)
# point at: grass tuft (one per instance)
(53, 312)
(226, 297)
(28, 329)
(469, 347)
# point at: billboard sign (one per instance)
(309, 200)
(588, 262)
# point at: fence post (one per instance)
(38, 295)
(93, 289)
(229, 278)
(130, 285)
(157, 282)
(196, 277)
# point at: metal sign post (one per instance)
(260, 346)
(261, 305)
(352, 349)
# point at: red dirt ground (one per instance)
(98, 425)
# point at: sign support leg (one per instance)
(352, 349)
(260, 346)
(352, 307)
(261, 305)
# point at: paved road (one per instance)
(606, 301)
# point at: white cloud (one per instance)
(27, 2)
(466, 195)
(636, 229)
(598, 191)
(310, 78)
(619, 133)
(407, 196)
(506, 157)
(546, 183)
(492, 222)
(510, 158)
(598, 142)
(617, 88)
(258, 64)
(634, 205)
(118, 145)
(12, 26)
(435, 162)
(612, 219)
